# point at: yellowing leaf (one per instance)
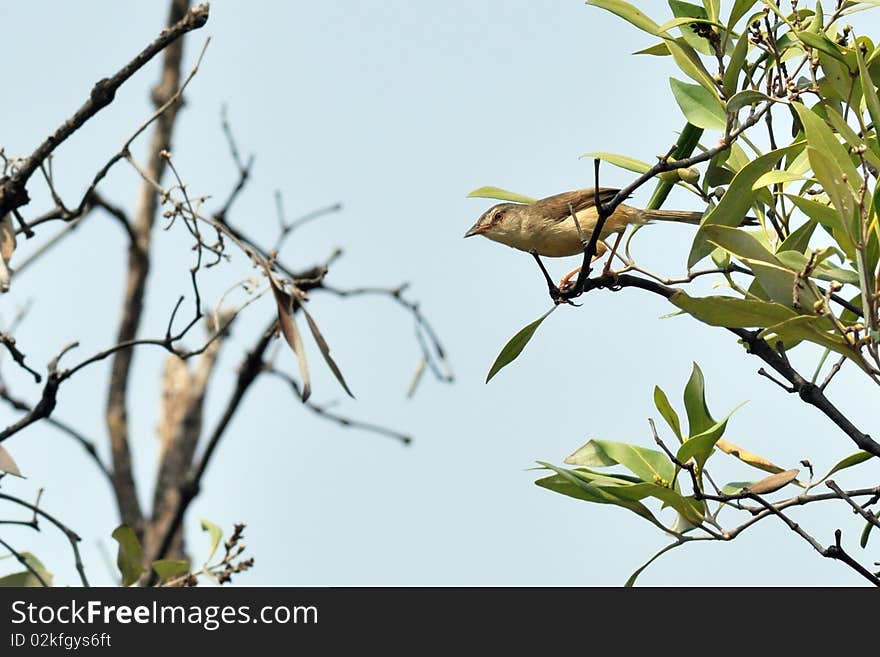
(500, 194)
(748, 457)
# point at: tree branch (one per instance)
(139, 265)
(13, 193)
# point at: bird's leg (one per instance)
(607, 269)
(551, 286)
(601, 249)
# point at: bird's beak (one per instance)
(477, 229)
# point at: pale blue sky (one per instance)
(396, 109)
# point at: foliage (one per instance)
(783, 100)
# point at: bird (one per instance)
(546, 228)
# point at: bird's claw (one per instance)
(559, 295)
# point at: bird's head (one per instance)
(497, 220)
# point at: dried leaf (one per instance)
(289, 329)
(7, 464)
(7, 247)
(325, 350)
(772, 483)
(291, 333)
(7, 238)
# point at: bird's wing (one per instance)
(579, 199)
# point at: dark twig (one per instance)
(9, 342)
(24, 562)
(12, 190)
(322, 411)
(834, 370)
(782, 385)
(857, 508)
(88, 445)
(396, 294)
(807, 391)
(837, 552)
(665, 164)
(71, 535)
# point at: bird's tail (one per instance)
(681, 216)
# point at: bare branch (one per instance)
(69, 534)
(12, 190)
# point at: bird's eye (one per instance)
(499, 215)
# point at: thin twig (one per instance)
(341, 420)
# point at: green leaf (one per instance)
(628, 13)
(741, 243)
(684, 147)
(850, 136)
(872, 102)
(735, 487)
(776, 279)
(736, 201)
(713, 9)
(657, 50)
(26, 578)
(700, 446)
(829, 176)
(692, 510)
(687, 14)
(829, 219)
(701, 107)
(740, 7)
(745, 98)
(798, 261)
(130, 557)
(798, 240)
(776, 177)
(688, 61)
(732, 312)
(649, 464)
(848, 462)
(500, 195)
(568, 483)
(590, 455)
(779, 282)
(866, 532)
(735, 67)
(570, 487)
(632, 578)
(699, 418)
(622, 161)
(516, 344)
(821, 43)
(661, 401)
(816, 329)
(170, 568)
(821, 138)
(605, 478)
(215, 533)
